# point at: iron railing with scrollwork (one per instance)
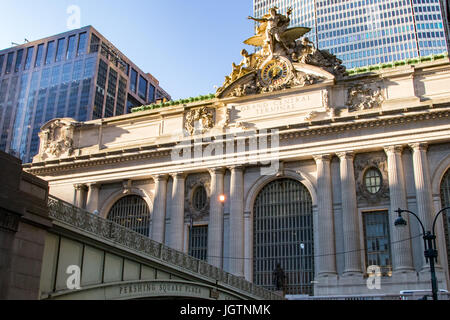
(99, 227)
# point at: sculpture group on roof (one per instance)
(275, 65)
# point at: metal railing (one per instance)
(99, 227)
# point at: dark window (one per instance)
(445, 198)
(39, 55)
(61, 49)
(82, 44)
(29, 58)
(377, 240)
(9, 62)
(50, 52)
(2, 60)
(283, 233)
(151, 93)
(71, 48)
(95, 43)
(131, 212)
(142, 88)
(121, 96)
(133, 80)
(19, 60)
(198, 242)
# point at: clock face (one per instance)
(275, 72)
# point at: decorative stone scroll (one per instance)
(362, 97)
(57, 139)
(200, 120)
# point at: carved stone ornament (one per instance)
(364, 162)
(362, 97)
(282, 62)
(200, 120)
(192, 183)
(57, 139)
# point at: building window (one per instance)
(142, 88)
(151, 93)
(19, 60)
(50, 52)
(377, 240)
(82, 44)
(71, 48)
(373, 180)
(28, 59)
(199, 198)
(2, 60)
(445, 198)
(60, 50)
(133, 80)
(9, 62)
(198, 242)
(131, 212)
(283, 233)
(39, 55)
(95, 44)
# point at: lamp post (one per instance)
(429, 238)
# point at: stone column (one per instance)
(176, 236)
(159, 208)
(422, 179)
(79, 195)
(215, 227)
(237, 221)
(326, 247)
(401, 246)
(350, 218)
(92, 197)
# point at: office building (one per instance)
(369, 32)
(77, 74)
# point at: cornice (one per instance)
(285, 133)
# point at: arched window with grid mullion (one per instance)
(131, 212)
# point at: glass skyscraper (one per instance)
(77, 74)
(368, 32)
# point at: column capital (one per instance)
(349, 155)
(94, 185)
(419, 146)
(160, 177)
(236, 167)
(394, 149)
(322, 157)
(80, 186)
(178, 175)
(217, 170)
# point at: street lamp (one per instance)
(429, 239)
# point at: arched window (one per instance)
(283, 233)
(445, 198)
(131, 212)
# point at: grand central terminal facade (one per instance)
(293, 162)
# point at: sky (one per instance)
(188, 45)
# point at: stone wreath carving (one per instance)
(198, 121)
(364, 163)
(362, 97)
(57, 139)
(192, 183)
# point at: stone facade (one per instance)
(23, 224)
(324, 135)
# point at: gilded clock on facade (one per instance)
(276, 72)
